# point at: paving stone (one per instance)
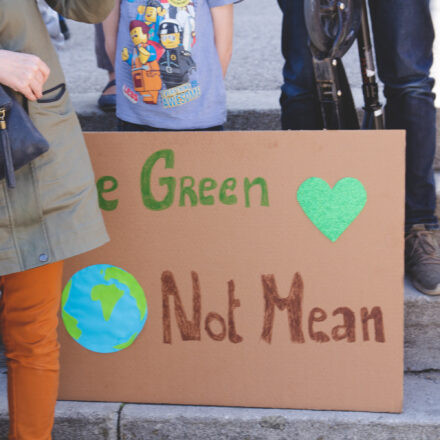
(86, 421)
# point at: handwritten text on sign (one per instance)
(187, 188)
(190, 329)
(214, 324)
(271, 263)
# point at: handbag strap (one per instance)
(6, 150)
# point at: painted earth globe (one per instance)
(103, 308)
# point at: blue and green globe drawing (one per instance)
(103, 308)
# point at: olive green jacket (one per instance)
(53, 212)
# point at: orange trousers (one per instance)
(28, 320)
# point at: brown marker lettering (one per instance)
(233, 304)
(376, 314)
(189, 330)
(317, 315)
(215, 317)
(347, 329)
(293, 303)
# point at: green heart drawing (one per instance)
(332, 210)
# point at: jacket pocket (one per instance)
(52, 95)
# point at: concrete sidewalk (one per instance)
(420, 420)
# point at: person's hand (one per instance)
(23, 73)
(124, 54)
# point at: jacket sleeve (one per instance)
(87, 11)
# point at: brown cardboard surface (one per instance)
(221, 243)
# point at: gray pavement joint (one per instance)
(118, 426)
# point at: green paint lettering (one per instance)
(264, 191)
(228, 185)
(187, 190)
(147, 196)
(107, 205)
(207, 184)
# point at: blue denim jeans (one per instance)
(403, 37)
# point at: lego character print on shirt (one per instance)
(162, 68)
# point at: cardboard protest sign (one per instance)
(244, 268)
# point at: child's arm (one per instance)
(223, 21)
(110, 28)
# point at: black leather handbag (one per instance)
(20, 141)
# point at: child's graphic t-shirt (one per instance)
(168, 73)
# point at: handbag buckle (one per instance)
(2, 119)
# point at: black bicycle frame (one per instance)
(373, 116)
(333, 26)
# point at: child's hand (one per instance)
(124, 54)
(144, 55)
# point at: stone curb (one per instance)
(422, 330)
(420, 420)
(86, 420)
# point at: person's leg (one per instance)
(28, 318)
(404, 35)
(107, 100)
(300, 108)
(102, 59)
